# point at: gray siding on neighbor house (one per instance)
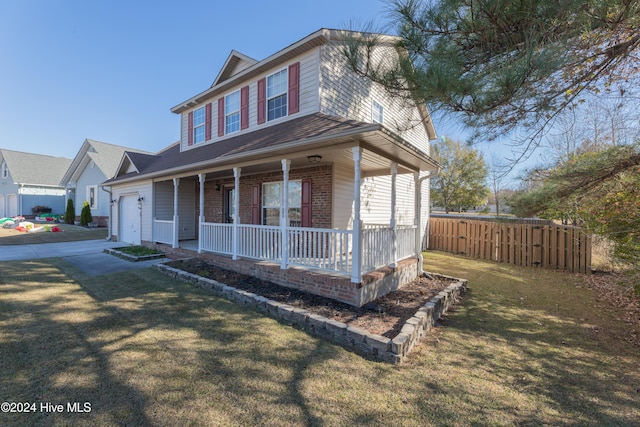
(56, 203)
(92, 176)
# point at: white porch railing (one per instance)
(260, 242)
(162, 231)
(320, 248)
(405, 241)
(216, 237)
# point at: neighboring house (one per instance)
(292, 169)
(30, 180)
(95, 163)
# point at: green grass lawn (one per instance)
(525, 347)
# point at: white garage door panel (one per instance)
(129, 220)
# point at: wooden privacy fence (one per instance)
(527, 243)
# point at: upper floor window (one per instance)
(377, 112)
(198, 125)
(232, 112)
(277, 85)
(5, 170)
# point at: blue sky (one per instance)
(112, 70)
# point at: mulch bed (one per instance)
(384, 316)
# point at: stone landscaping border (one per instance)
(133, 258)
(350, 337)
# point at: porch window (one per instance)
(232, 112)
(277, 85)
(198, 125)
(273, 195)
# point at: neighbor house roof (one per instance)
(307, 132)
(35, 169)
(106, 157)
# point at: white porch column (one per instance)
(202, 178)
(284, 213)
(236, 217)
(176, 220)
(418, 218)
(356, 268)
(393, 221)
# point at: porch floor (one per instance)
(331, 285)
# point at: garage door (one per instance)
(129, 215)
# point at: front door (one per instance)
(229, 204)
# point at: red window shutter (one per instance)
(221, 116)
(262, 100)
(244, 107)
(190, 136)
(294, 88)
(207, 125)
(255, 204)
(306, 203)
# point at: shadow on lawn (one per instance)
(147, 352)
(553, 345)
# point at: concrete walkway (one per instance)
(87, 255)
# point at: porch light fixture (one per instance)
(140, 199)
(314, 158)
(217, 187)
(114, 201)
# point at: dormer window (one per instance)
(377, 112)
(232, 112)
(198, 125)
(277, 95)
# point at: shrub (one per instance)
(70, 213)
(85, 214)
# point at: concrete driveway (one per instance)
(87, 255)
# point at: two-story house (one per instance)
(293, 169)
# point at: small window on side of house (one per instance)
(5, 170)
(377, 112)
(92, 196)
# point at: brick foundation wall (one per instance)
(339, 287)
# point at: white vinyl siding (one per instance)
(345, 94)
(308, 92)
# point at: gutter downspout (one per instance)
(110, 212)
(430, 174)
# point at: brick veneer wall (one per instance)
(321, 184)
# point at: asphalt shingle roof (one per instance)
(35, 169)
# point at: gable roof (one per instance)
(307, 132)
(106, 157)
(235, 63)
(35, 169)
(226, 79)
